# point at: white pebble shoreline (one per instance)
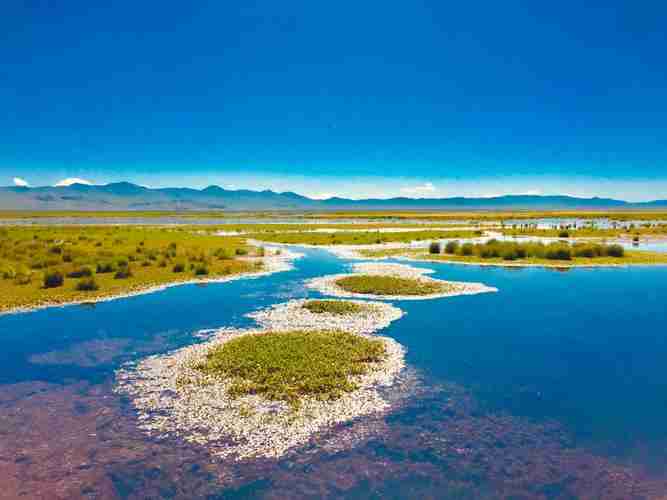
(199, 409)
(293, 316)
(326, 285)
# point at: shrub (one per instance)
(179, 267)
(564, 234)
(123, 273)
(451, 247)
(23, 278)
(105, 267)
(467, 249)
(558, 252)
(201, 270)
(434, 247)
(241, 251)
(615, 251)
(80, 272)
(53, 279)
(87, 285)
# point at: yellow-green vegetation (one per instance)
(286, 366)
(361, 237)
(339, 307)
(589, 231)
(373, 284)
(52, 265)
(633, 257)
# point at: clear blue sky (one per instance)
(357, 98)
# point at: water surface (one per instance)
(552, 388)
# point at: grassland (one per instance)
(287, 366)
(373, 284)
(360, 238)
(589, 231)
(337, 307)
(489, 215)
(54, 265)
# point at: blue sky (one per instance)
(347, 98)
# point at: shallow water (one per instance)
(552, 388)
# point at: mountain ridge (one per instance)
(129, 196)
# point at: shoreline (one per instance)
(273, 264)
(173, 399)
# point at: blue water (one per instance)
(582, 350)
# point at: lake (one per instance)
(554, 387)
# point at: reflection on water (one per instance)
(552, 388)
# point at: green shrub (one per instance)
(123, 273)
(558, 252)
(241, 251)
(87, 285)
(467, 249)
(434, 247)
(53, 279)
(179, 267)
(80, 272)
(201, 270)
(105, 267)
(23, 278)
(564, 234)
(615, 251)
(451, 247)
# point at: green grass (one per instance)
(338, 307)
(287, 366)
(121, 259)
(360, 238)
(389, 285)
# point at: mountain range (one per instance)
(128, 196)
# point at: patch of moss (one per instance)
(287, 366)
(340, 307)
(389, 285)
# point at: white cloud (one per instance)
(21, 182)
(322, 196)
(72, 180)
(422, 189)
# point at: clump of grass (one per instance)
(53, 279)
(123, 273)
(201, 270)
(80, 272)
(388, 285)
(287, 366)
(87, 285)
(340, 307)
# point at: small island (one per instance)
(392, 282)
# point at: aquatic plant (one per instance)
(388, 285)
(286, 366)
(340, 307)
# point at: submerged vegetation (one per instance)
(286, 366)
(340, 307)
(40, 265)
(374, 284)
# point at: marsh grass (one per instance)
(359, 238)
(337, 307)
(287, 366)
(29, 254)
(389, 285)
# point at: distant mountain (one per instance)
(128, 196)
